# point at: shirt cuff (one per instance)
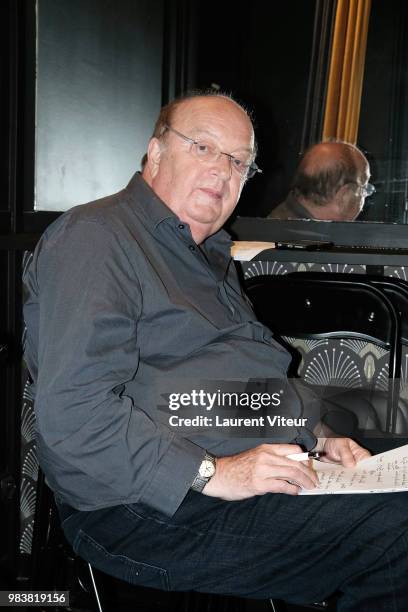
(174, 476)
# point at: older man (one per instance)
(330, 184)
(137, 291)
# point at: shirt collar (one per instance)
(154, 211)
(294, 206)
(146, 203)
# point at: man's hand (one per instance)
(344, 451)
(264, 469)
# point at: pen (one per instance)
(304, 456)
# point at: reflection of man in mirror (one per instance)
(330, 184)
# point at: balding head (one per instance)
(169, 112)
(201, 190)
(327, 179)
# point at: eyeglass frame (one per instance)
(368, 189)
(251, 169)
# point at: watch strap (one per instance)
(199, 481)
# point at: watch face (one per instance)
(207, 469)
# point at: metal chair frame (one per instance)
(396, 290)
(300, 307)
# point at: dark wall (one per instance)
(4, 337)
(262, 55)
(99, 90)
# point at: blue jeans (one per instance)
(300, 549)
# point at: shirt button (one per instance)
(181, 226)
(191, 247)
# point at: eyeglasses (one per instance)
(367, 190)
(210, 153)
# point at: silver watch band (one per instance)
(201, 480)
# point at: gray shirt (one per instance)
(290, 208)
(119, 299)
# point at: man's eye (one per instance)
(203, 148)
(240, 164)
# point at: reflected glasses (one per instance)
(211, 153)
(367, 190)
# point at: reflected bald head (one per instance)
(325, 168)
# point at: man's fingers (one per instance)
(282, 449)
(341, 450)
(264, 469)
(272, 464)
(299, 475)
(303, 476)
(361, 453)
(347, 458)
(309, 472)
(358, 451)
(281, 485)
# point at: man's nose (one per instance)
(222, 166)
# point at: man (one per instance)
(137, 290)
(330, 184)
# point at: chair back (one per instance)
(309, 306)
(396, 289)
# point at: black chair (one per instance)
(301, 305)
(396, 290)
(54, 564)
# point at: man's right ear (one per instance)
(154, 153)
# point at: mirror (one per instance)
(383, 126)
(277, 58)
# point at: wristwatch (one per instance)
(205, 472)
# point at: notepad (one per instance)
(383, 473)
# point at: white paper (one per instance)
(383, 473)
